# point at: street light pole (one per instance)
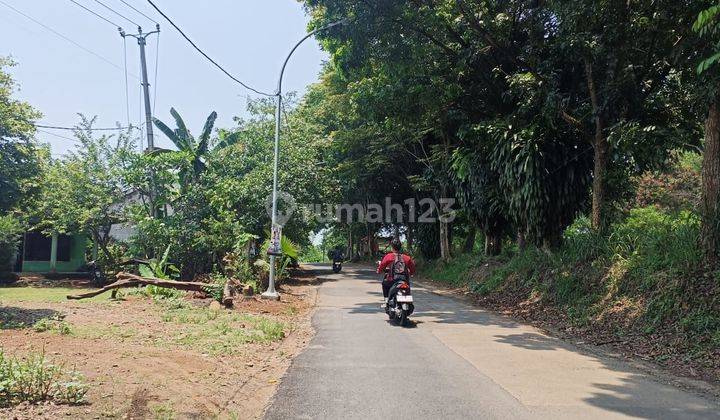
(271, 293)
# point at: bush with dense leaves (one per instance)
(10, 231)
(34, 379)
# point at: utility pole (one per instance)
(142, 41)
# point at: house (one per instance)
(47, 254)
(123, 232)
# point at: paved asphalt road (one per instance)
(457, 361)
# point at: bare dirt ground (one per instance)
(145, 360)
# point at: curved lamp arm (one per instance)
(282, 71)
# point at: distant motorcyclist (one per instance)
(336, 254)
(401, 267)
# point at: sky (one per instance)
(249, 38)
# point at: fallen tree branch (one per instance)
(131, 280)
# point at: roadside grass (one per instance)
(454, 272)
(209, 330)
(164, 411)
(44, 294)
(219, 331)
(645, 276)
(55, 325)
(212, 331)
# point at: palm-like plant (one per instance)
(185, 142)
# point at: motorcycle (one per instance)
(400, 302)
(97, 276)
(337, 266)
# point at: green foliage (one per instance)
(161, 269)
(651, 257)
(10, 232)
(454, 272)
(218, 331)
(53, 325)
(84, 190)
(290, 254)
(675, 190)
(34, 380)
(20, 158)
(187, 144)
(311, 253)
(706, 25)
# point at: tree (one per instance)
(707, 26)
(608, 59)
(85, 190)
(19, 156)
(546, 101)
(186, 143)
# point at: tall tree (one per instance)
(85, 191)
(707, 25)
(19, 155)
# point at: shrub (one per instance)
(10, 231)
(54, 325)
(34, 379)
(655, 244)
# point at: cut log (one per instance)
(131, 280)
(228, 293)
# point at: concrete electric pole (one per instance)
(142, 41)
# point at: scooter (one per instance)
(400, 303)
(97, 277)
(337, 266)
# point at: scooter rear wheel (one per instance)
(403, 320)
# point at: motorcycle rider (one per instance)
(395, 260)
(336, 254)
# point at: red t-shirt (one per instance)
(389, 258)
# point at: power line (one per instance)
(139, 12)
(205, 55)
(63, 36)
(96, 14)
(62, 137)
(57, 127)
(117, 13)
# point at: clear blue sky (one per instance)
(250, 38)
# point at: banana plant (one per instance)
(185, 142)
(160, 269)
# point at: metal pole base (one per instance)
(270, 295)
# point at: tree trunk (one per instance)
(492, 244)
(368, 251)
(409, 236)
(521, 241)
(470, 240)
(131, 280)
(710, 231)
(350, 243)
(444, 230)
(601, 149)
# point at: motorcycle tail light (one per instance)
(403, 285)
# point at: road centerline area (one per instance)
(455, 361)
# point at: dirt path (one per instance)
(148, 360)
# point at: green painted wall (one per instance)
(77, 259)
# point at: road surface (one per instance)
(457, 362)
